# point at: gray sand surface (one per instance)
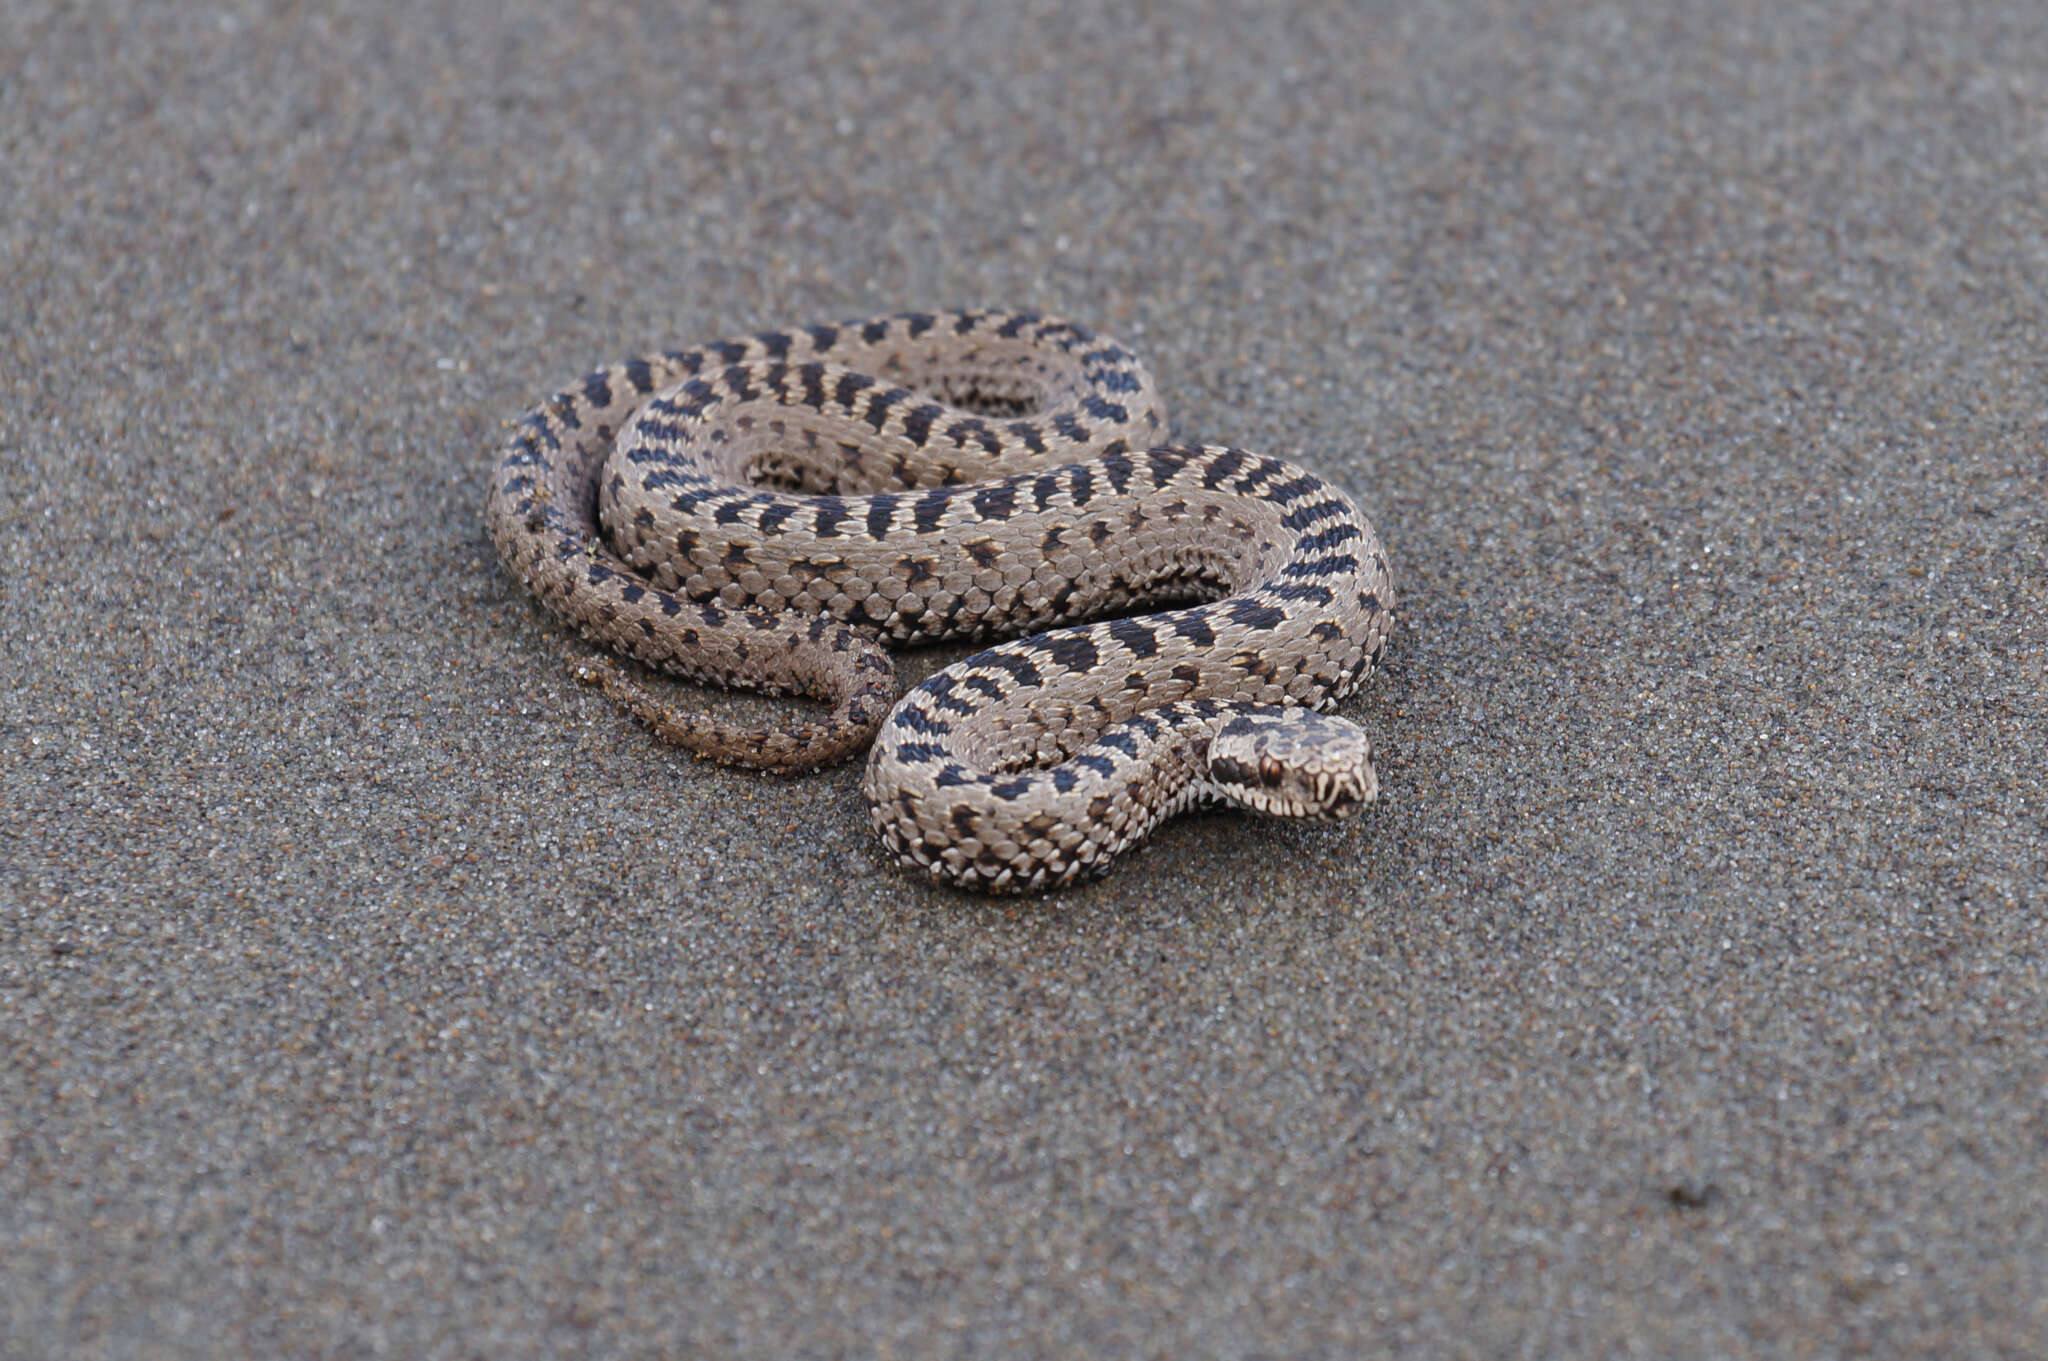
(370, 988)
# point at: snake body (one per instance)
(766, 512)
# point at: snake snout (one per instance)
(1348, 797)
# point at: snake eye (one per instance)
(1271, 771)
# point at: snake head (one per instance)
(1293, 763)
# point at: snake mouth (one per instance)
(1341, 805)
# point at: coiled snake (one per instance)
(766, 512)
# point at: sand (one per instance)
(370, 988)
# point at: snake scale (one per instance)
(767, 512)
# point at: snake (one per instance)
(777, 512)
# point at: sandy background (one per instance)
(369, 988)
